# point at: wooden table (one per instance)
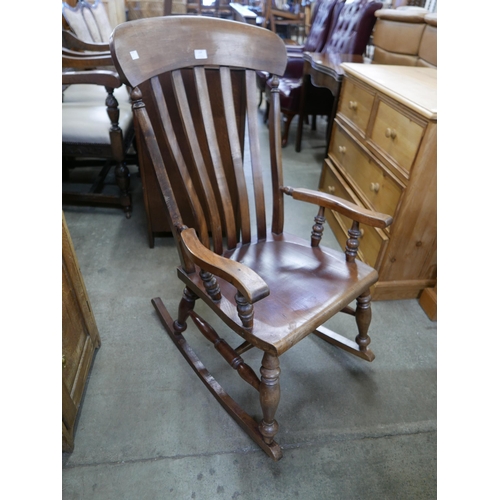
(322, 70)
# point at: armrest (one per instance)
(70, 41)
(75, 53)
(97, 77)
(344, 207)
(246, 281)
(85, 61)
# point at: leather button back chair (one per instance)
(349, 35)
(321, 23)
(193, 90)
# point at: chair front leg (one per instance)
(186, 305)
(269, 396)
(363, 319)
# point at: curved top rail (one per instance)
(147, 47)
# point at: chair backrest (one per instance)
(321, 24)
(405, 38)
(194, 94)
(353, 28)
(427, 51)
(89, 21)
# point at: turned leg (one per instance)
(186, 305)
(269, 396)
(363, 318)
(122, 176)
(288, 121)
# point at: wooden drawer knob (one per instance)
(390, 132)
(331, 189)
(375, 187)
(361, 233)
(353, 105)
(64, 361)
(342, 150)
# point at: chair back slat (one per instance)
(206, 184)
(236, 154)
(276, 159)
(221, 183)
(254, 145)
(171, 139)
(196, 81)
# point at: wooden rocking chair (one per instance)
(193, 81)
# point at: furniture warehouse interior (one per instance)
(250, 299)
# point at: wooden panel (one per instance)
(413, 253)
(377, 187)
(74, 331)
(80, 336)
(410, 86)
(372, 239)
(397, 135)
(356, 104)
(428, 302)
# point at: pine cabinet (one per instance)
(382, 155)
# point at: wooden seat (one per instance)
(196, 105)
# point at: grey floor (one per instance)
(148, 428)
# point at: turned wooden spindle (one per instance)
(351, 249)
(211, 285)
(269, 396)
(122, 173)
(318, 228)
(245, 310)
(226, 351)
(363, 319)
(186, 305)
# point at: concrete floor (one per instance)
(148, 428)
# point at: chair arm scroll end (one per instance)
(250, 285)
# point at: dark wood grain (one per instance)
(272, 289)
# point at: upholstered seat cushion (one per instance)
(86, 121)
(93, 93)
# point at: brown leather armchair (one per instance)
(405, 38)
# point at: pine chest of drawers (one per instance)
(382, 155)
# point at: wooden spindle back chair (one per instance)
(195, 102)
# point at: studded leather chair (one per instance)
(322, 20)
(350, 32)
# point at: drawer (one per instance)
(376, 185)
(396, 135)
(373, 241)
(356, 104)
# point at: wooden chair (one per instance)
(88, 21)
(273, 289)
(97, 131)
(278, 19)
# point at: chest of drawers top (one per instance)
(411, 86)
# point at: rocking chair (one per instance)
(193, 81)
